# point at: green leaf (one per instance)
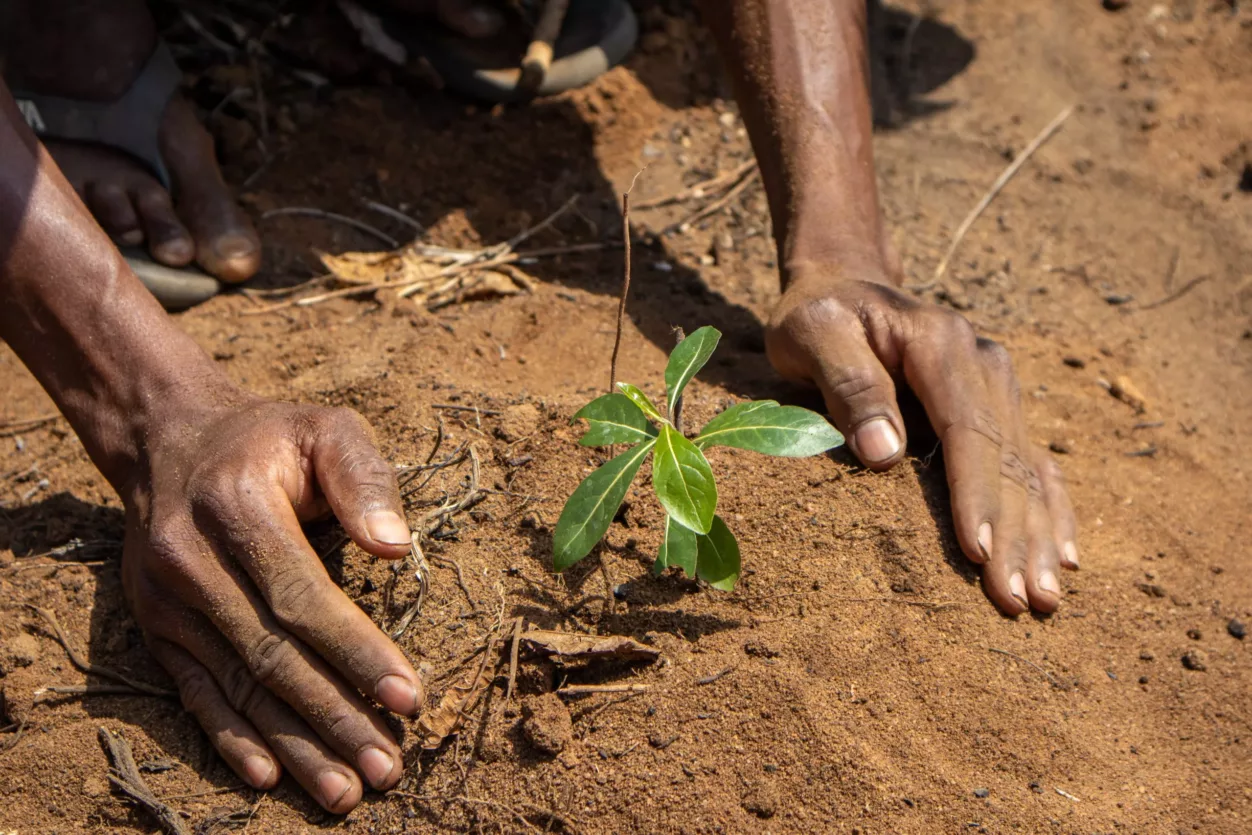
(772, 429)
(717, 562)
(677, 549)
(687, 360)
(590, 510)
(614, 419)
(684, 481)
(641, 400)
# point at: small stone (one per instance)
(1059, 447)
(982, 792)
(760, 649)
(1115, 5)
(1237, 629)
(546, 723)
(1147, 655)
(19, 651)
(761, 800)
(726, 120)
(1075, 362)
(1194, 634)
(517, 422)
(1143, 679)
(1035, 787)
(1193, 659)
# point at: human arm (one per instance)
(268, 654)
(801, 75)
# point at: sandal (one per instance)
(592, 37)
(130, 123)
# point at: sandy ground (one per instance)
(868, 685)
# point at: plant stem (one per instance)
(677, 416)
(621, 304)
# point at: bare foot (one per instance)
(97, 60)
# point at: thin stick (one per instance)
(125, 776)
(714, 207)
(89, 690)
(394, 214)
(306, 211)
(700, 189)
(29, 423)
(513, 651)
(94, 669)
(1053, 680)
(452, 407)
(998, 185)
(621, 304)
(590, 689)
(1177, 294)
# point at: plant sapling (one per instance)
(696, 539)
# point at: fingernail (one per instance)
(258, 769)
(1048, 582)
(877, 441)
(1070, 551)
(1017, 585)
(375, 765)
(984, 540)
(386, 527)
(398, 694)
(333, 787)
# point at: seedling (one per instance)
(696, 539)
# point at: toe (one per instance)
(114, 211)
(168, 239)
(226, 244)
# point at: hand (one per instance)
(853, 339)
(268, 653)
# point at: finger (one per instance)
(826, 343)
(266, 540)
(281, 662)
(1060, 509)
(359, 485)
(942, 367)
(168, 240)
(111, 206)
(331, 781)
(1043, 586)
(232, 735)
(1004, 577)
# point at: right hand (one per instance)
(268, 653)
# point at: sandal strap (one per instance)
(130, 123)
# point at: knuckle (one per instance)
(241, 689)
(1015, 470)
(949, 326)
(293, 596)
(196, 690)
(858, 385)
(980, 421)
(268, 657)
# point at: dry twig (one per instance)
(996, 187)
(591, 689)
(125, 777)
(359, 225)
(94, 669)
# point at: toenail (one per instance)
(1017, 585)
(984, 540)
(230, 247)
(333, 786)
(387, 527)
(877, 441)
(1048, 582)
(397, 693)
(258, 769)
(376, 766)
(1070, 551)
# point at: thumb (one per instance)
(359, 485)
(860, 395)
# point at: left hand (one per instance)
(853, 335)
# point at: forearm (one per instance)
(79, 319)
(801, 75)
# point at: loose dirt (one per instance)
(857, 680)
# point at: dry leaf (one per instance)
(570, 647)
(438, 723)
